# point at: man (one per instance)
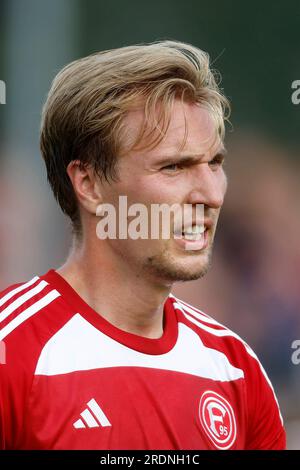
(100, 355)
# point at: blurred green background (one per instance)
(253, 286)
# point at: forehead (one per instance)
(190, 123)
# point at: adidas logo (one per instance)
(92, 417)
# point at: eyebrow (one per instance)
(165, 159)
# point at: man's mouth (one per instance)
(193, 232)
(193, 237)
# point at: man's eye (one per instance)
(217, 161)
(171, 167)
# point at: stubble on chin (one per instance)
(165, 266)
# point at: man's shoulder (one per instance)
(30, 312)
(239, 354)
(216, 335)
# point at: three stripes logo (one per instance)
(92, 417)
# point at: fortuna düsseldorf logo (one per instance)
(217, 419)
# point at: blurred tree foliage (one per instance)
(255, 45)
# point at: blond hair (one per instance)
(83, 117)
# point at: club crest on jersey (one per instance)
(217, 419)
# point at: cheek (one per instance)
(151, 191)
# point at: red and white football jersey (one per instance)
(71, 380)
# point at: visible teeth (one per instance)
(194, 233)
(192, 237)
(194, 230)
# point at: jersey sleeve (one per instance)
(14, 386)
(265, 424)
(21, 345)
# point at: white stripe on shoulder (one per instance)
(22, 299)
(28, 312)
(209, 329)
(197, 313)
(223, 332)
(227, 332)
(15, 291)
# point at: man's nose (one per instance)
(208, 187)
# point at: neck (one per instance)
(126, 298)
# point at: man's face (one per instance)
(169, 174)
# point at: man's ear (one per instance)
(86, 185)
